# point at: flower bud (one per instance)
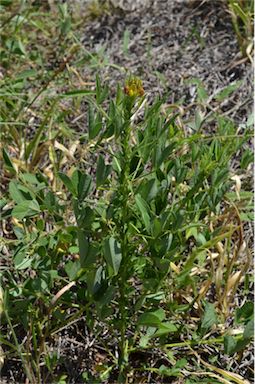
(134, 87)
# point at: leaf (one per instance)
(84, 186)
(65, 26)
(16, 194)
(247, 158)
(164, 329)
(102, 171)
(173, 371)
(113, 256)
(27, 208)
(229, 344)
(18, 47)
(6, 3)
(94, 122)
(126, 41)
(201, 93)
(107, 296)
(143, 208)
(198, 119)
(10, 167)
(21, 260)
(75, 93)
(250, 120)
(85, 258)
(149, 190)
(166, 153)
(101, 92)
(72, 268)
(245, 312)
(249, 330)
(209, 318)
(84, 215)
(153, 319)
(220, 96)
(68, 183)
(94, 280)
(32, 147)
(26, 74)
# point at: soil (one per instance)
(171, 42)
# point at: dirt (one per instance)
(169, 43)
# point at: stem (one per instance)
(29, 374)
(124, 193)
(219, 340)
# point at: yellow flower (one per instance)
(134, 87)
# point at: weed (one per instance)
(242, 14)
(133, 228)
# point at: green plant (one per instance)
(128, 262)
(163, 190)
(128, 224)
(242, 14)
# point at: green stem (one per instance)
(29, 374)
(219, 340)
(124, 195)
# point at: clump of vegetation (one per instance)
(133, 227)
(242, 14)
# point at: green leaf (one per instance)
(75, 93)
(153, 318)
(229, 344)
(149, 190)
(72, 268)
(94, 280)
(101, 92)
(22, 264)
(113, 256)
(173, 371)
(164, 329)
(32, 147)
(165, 153)
(8, 162)
(102, 171)
(68, 183)
(249, 330)
(144, 209)
(66, 26)
(84, 249)
(201, 93)
(26, 208)
(209, 318)
(84, 215)
(245, 312)
(220, 96)
(107, 296)
(84, 186)
(6, 3)
(83, 246)
(247, 158)
(126, 41)
(94, 122)
(18, 47)
(198, 119)
(250, 120)
(26, 74)
(16, 194)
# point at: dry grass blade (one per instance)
(61, 292)
(229, 375)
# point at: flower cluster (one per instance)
(134, 87)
